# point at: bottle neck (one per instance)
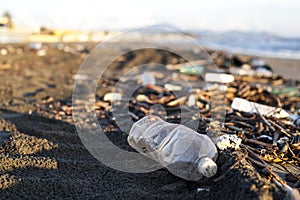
(207, 167)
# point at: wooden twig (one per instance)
(264, 120)
(279, 127)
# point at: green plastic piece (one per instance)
(287, 91)
(191, 70)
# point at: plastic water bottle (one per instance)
(184, 152)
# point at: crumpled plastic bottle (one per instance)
(184, 152)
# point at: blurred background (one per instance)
(268, 28)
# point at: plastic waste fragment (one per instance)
(286, 91)
(219, 78)
(173, 87)
(228, 141)
(203, 189)
(191, 100)
(80, 77)
(148, 79)
(257, 62)
(246, 69)
(251, 107)
(191, 70)
(112, 97)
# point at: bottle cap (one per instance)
(207, 167)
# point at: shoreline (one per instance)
(278, 64)
(287, 67)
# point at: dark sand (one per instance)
(289, 68)
(44, 156)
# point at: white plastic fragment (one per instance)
(260, 71)
(80, 77)
(3, 52)
(251, 107)
(215, 86)
(228, 141)
(246, 69)
(112, 97)
(191, 100)
(283, 140)
(148, 79)
(219, 78)
(35, 45)
(203, 189)
(265, 137)
(223, 87)
(211, 86)
(173, 87)
(257, 62)
(41, 52)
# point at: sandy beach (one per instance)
(42, 155)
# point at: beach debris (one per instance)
(219, 78)
(194, 63)
(228, 141)
(270, 128)
(80, 77)
(267, 130)
(19, 51)
(173, 87)
(292, 194)
(59, 46)
(194, 70)
(211, 86)
(148, 79)
(251, 107)
(142, 97)
(112, 97)
(3, 52)
(177, 102)
(246, 69)
(191, 100)
(257, 62)
(41, 52)
(174, 146)
(69, 49)
(203, 189)
(285, 91)
(34, 46)
(261, 67)
(82, 49)
(263, 71)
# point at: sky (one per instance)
(274, 16)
